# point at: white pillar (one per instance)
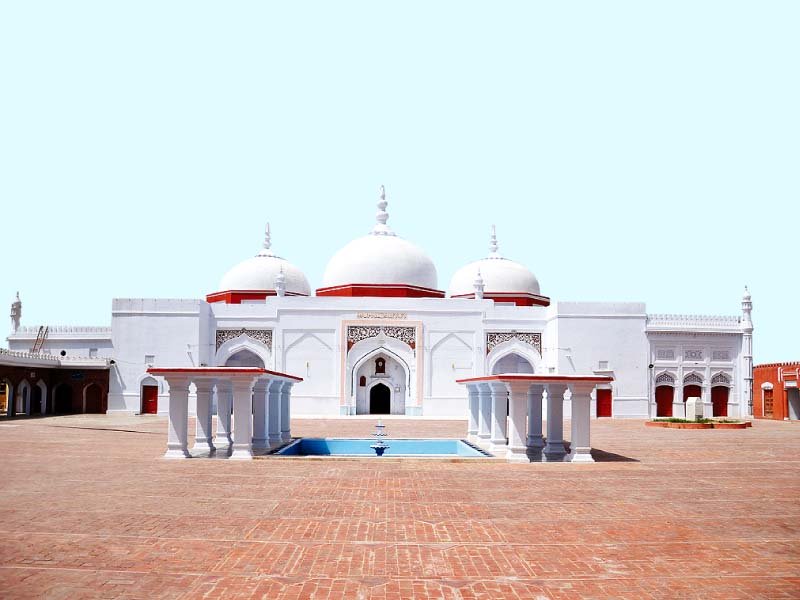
(260, 440)
(535, 439)
(178, 428)
(580, 443)
(517, 411)
(286, 427)
(224, 402)
(242, 418)
(472, 424)
(274, 413)
(203, 433)
(499, 438)
(554, 449)
(484, 413)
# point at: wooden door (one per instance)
(149, 399)
(664, 395)
(603, 403)
(719, 401)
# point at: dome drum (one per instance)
(380, 291)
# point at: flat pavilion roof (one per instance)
(222, 371)
(540, 378)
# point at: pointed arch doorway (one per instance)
(380, 399)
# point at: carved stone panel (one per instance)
(356, 333)
(261, 335)
(531, 338)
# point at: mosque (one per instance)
(380, 337)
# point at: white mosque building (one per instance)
(381, 337)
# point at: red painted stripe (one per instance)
(237, 296)
(357, 290)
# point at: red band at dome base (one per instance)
(359, 290)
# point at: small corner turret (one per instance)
(16, 313)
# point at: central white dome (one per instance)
(380, 258)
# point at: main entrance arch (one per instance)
(380, 399)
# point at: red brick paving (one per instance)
(90, 510)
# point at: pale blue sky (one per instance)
(631, 151)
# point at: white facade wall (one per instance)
(307, 337)
(607, 338)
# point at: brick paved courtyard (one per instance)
(90, 510)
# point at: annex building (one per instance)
(382, 335)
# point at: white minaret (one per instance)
(747, 351)
(16, 313)
(478, 285)
(280, 283)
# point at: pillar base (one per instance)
(260, 444)
(221, 442)
(286, 436)
(177, 453)
(242, 453)
(498, 447)
(554, 452)
(581, 455)
(203, 446)
(274, 441)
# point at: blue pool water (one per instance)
(361, 447)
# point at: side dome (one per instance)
(265, 274)
(497, 278)
(380, 264)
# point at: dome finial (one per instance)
(493, 246)
(381, 228)
(266, 247)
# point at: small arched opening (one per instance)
(37, 400)
(62, 399)
(6, 396)
(244, 358)
(93, 398)
(380, 399)
(512, 363)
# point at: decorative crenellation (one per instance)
(693, 321)
(34, 330)
(29, 355)
(356, 333)
(498, 337)
(260, 335)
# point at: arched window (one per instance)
(362, 381)
(380, 365)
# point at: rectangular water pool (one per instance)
(397, 447)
